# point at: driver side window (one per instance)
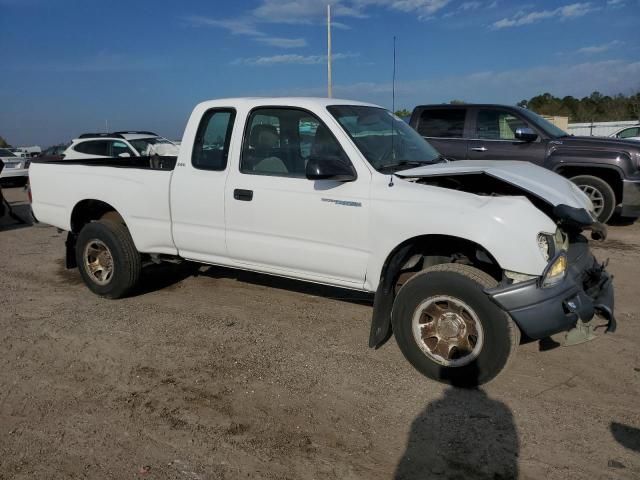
(497, 125)
(280, 141)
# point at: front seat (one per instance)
(263, 140)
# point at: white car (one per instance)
(119, 144)
(627, 133)
(28, 152)
(462, 256)
(15, 168)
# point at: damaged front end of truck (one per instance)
(574, 295)
(578, 301)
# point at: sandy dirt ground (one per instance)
(213, 374)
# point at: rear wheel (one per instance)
(449, 330)
(107, 258)
(600, 193)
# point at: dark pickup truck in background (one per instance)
(606, 169)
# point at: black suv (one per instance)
(606, 169)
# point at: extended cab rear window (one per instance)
(211, 146)
(442, 122)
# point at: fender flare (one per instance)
(383, 300)
(559, 165)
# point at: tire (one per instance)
(600, 193)
(453, 285)
(121, 254)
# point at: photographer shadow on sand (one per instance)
(464, 434)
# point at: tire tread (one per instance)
(131, 254)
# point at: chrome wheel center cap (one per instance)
(450, 325)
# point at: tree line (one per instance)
(594, 108)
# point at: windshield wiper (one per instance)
(402, 163)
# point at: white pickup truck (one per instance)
(463, 257)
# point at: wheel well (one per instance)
(609, 175)
(89, 210)
(429, 250)
(412, 256)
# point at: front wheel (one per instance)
(600, 193)
(107, 258)
(449, 330)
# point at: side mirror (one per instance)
(124, 155)
(329, 169)
(526, 134)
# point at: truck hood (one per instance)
(537, 181)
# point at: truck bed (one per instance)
(137, 188)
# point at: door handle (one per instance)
(243, 195)
(479, 149)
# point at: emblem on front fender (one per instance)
(345, 203)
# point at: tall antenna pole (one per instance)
(329, 79)
(393, 83)
(393, 107)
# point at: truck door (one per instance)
(279, 221)
(493, 138)
(444, 129)
(197, 189)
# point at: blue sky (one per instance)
(69, 65)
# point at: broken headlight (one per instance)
(555, 271)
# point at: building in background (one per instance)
(558, 121)
(598, 129)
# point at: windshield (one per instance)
(388, 143)
(544, 124)
(141, 144)
(6, 153)
(55, 150)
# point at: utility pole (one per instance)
(329, 80)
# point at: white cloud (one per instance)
(314, 11)
(302, 11)
(566, 12)
(290, 59)
(246, 26)
(283, 42)
(616, 3)
(424, 7)
(593, 49)
(237, 26)
(466, 6)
